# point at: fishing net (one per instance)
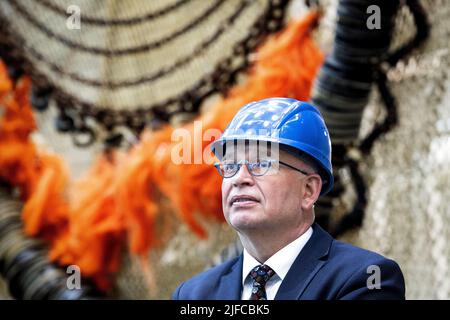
(134, 63)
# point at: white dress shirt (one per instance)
(280, 262)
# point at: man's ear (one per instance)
(313, 185)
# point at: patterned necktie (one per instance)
(260, 275)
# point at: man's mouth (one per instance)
(243, 200)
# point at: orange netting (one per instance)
(87, 223)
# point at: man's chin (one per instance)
(246, 223)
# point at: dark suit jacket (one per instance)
(324, 269)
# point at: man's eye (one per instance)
(261, 164)
(265, 164)
(229, 166)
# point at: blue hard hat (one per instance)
(288, 122)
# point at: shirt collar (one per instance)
(281, 261)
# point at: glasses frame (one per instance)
(247, 163)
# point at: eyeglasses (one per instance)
(258, 168)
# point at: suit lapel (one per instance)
(230, 286)
(306, 265)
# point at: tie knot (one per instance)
(261, 274)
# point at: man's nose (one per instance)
(243, 177)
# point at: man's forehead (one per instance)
(251, 149)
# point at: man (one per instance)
(275, 160)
